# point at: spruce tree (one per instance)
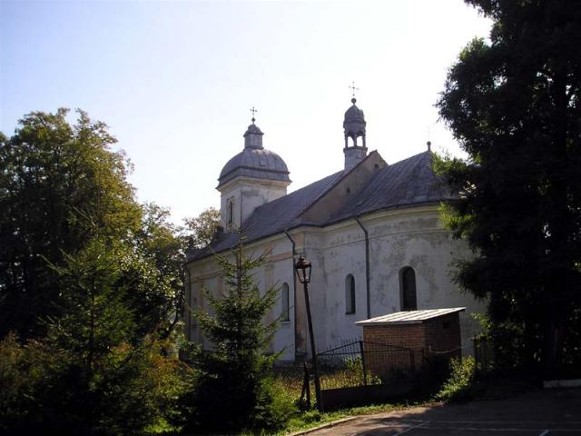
(234, 390)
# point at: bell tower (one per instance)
(354, 128)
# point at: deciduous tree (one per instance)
(199, 231)
(60, 186)
(153, 272)
(91, 282)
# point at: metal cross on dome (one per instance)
(253, 112)
(353, 89)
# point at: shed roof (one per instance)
(410, 316)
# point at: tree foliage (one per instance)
(90, 282)
(234, 371)
(154, 273)
(513, 103)
(89, 375)
(60, 186)
(200, 230)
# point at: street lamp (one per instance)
(303, 269)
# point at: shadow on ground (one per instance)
(540, 412)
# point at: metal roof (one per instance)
(273, 217)
(404, 184)
(256, 163)
(409, 317)
(407, 183)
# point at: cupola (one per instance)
(253, 177)
(354, 128)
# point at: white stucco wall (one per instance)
(246, 195)
(410, 237)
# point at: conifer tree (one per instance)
(90, 375)
(514, 105)
(234, 390)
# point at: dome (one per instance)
(254, 161)
(253, 130)
(354, 114)
(257, 164)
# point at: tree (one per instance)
(89, 280)
(200, 231)
(153, 271)
(60, 187)
(234, 372)
(89, 375)
(514, 105)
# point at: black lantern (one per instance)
(303, 269)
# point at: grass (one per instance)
(462, 385)
(349, 376)
(313, 418)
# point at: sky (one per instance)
(175, 80)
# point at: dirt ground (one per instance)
(542, 413)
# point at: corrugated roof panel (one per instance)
(409, 317)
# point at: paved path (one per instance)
(541, 413)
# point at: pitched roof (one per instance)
(410, 182)
(276, 216)
(407, 183)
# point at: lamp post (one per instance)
(303, 269)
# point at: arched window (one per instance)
(230, 212)
(284, 303)
(350, 294)
(407, 284)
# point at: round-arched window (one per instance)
(407, 281)
(350, 294)
(284, 303)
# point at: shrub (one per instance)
(44, 389)
(459, 384)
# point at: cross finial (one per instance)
(353, 89)
(253, 112)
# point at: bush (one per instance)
(460, 383)
(274, 408)
(44, 389)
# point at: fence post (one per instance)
(361, 349)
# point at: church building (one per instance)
(371, 231)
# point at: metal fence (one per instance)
(356, 363)
(360, 363)
(360, 372)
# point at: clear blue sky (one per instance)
(175, 80)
